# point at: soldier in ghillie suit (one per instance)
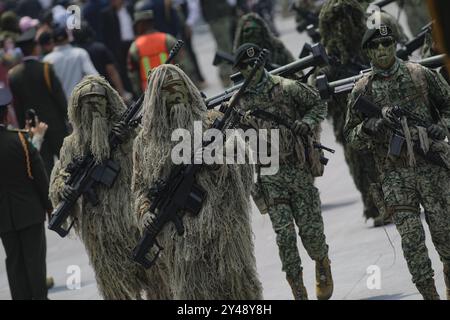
(214, 259)
(289, 196)
(109, 230)
(342, 24)
(253, 29)
(415, 101)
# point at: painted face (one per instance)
(246, 69)
(175, 92)
(97, 104)
(252, 32)
(381, 52)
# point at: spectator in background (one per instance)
(92, 13)
(26, 23)
(71, 64)
(150, 49)
(23, 203)
(35, 85)
(118, 34)
(45, 40)
(166, 17)
(101, 57)
(31, 8)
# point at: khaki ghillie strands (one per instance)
(109, 231)
(215, 257)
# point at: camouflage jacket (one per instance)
(411, 87)
(290, 100)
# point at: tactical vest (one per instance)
(153, 52)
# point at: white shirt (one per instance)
(71, 65)
(126, 25)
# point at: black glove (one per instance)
(375, 126)
(301, 128)
(69, 194)
(436, 132)
(120, 131)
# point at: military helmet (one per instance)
(246, 53)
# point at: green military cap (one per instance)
(143, 15)
(246, 53)
(27, 37)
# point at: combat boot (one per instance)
(428, 290)
(447, 279)
(324, 279)
(297, 286)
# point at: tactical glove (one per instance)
(374, 126)
(120, 130)
(436, 132)
(69, 194)
(301, 128)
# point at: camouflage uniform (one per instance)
(407, 185)
(339, 36)
(253, 29)
(290, 195)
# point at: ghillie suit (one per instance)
(342, 25)
(253, 29)
(109, 231)
(214, 259)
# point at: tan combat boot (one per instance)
(428, 290)
(297, 286)
(447, 279)
(324, 279)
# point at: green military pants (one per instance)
(404, 190)
(294, 200)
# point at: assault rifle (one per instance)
(267, 116)
(344, 86)
(86, 174)
(414, 44)
(179, 193)
(371, 110)
(317, 57)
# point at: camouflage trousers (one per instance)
(294, 200)
(404, 190)
(364, 173)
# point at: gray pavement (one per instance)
(355, 247)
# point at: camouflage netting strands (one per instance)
(253, 29)
(109, 231)
(342, 25)
(214, 259)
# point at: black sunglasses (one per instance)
(384, 42)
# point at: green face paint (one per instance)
(382, 52)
